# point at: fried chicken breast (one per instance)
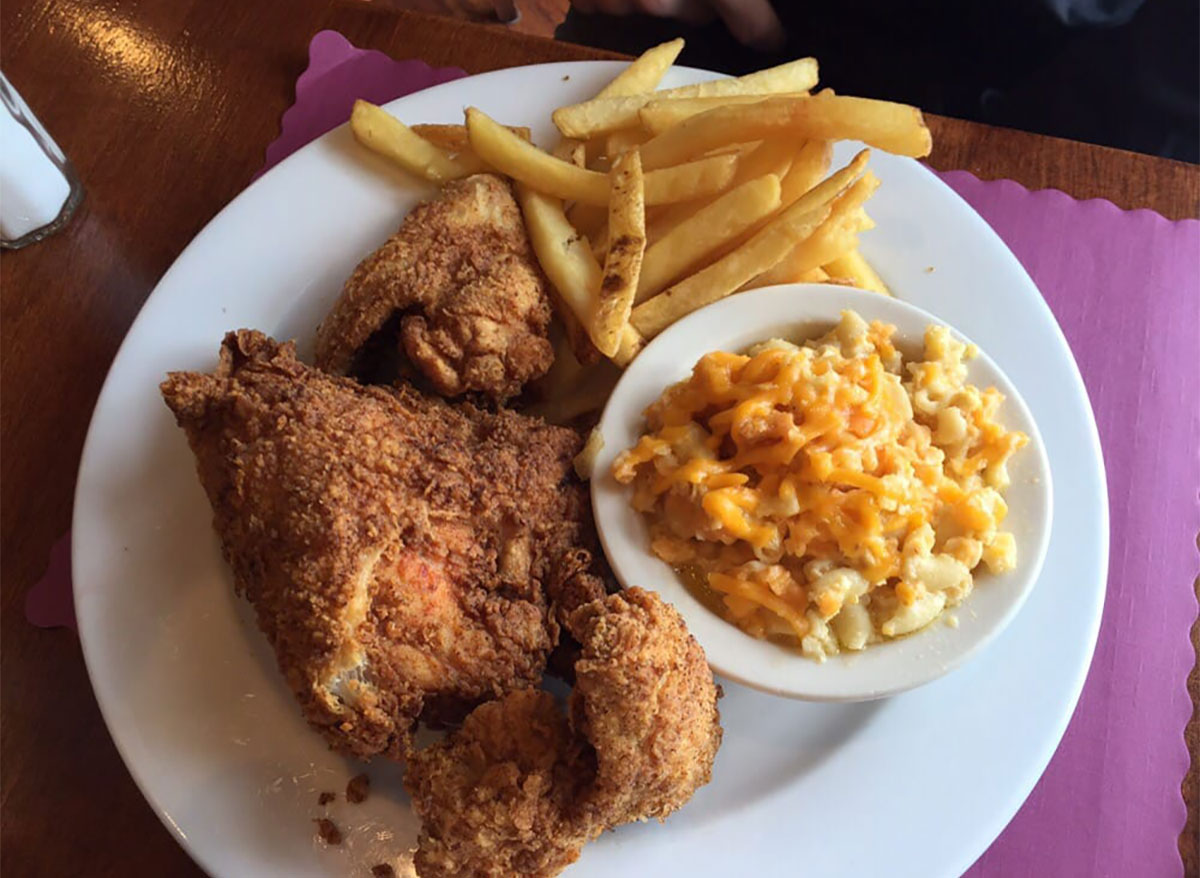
(473, 303)
(403, 554)
(519, 789)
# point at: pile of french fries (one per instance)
(656, 203)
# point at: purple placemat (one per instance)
(1109, 802)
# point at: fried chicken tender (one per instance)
(473, 301)
(519, 789)
(403, 554)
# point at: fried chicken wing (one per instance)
(472, 299)
(404, 556)
(645, 700)
(494, 797)
(642, 733)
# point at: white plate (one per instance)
(797, 312)
(915, 785)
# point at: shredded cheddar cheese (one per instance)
(830, 493)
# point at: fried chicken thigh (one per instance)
(520, 788)
(400, 552)
(472, 299)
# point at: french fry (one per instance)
(588, 218)
(706, 176)
(631, 345)
(659, 115)
(565, 369)
(644, 72)
(453, 138)
(808, 168)
(642, 75)
(623, 141)
(686, 246)
(609, 113)
(623, 265)
(837, 235)
(563, 254)
(761, 252)
(896, 128)
(729, 274)
(571, 151)
(769, 157)
(855, 268)
(588, 394)
(381, 132)
(524, 162)
(824, 192)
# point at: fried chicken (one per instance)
(473, 303)
(645, 699)
(495, 796)
(403, 554)
(519, 789)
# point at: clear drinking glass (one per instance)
(38, 187)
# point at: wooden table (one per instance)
(165, 107)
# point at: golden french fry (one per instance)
(644, 72)
(524, 162)
(602, 115)
(453, 138)
(730, 273)
(571, 151)
(692, 241)
(381, 132)
(808, 168)
(855, 268)
(891, 127)
(642, 75)
(706, 176)
(816, 276)
(837, 235)
(659, 115)
(527, 164)
(471, 163)
(563, 253)
(623, 141)
(623, 265)
(824, 192)
(769, 157)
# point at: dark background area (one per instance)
(1132, 84)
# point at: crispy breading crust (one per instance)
(396, 548)
(520, 788)
(474, 301)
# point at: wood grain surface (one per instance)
(166, 107)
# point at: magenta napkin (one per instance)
(1109, 803)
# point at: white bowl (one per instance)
(796, 312)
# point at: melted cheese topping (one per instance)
(770, 471)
